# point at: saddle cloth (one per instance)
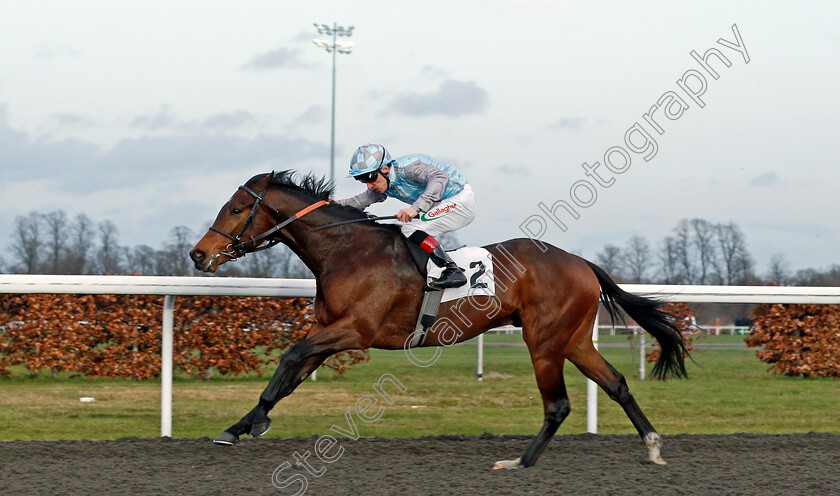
(478, 267)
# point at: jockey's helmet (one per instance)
(367, 158)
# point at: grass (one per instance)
(729, 391)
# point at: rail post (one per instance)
(166, 367)
(592, 390)
(479, 373)
(641, 354)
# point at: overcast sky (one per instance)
(151, 113)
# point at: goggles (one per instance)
(367, 177)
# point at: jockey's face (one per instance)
(381, 184)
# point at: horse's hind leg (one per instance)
(549, 373)
(594, 366)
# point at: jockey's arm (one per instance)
(435, 180)
(363, 200)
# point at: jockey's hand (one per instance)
(406, 214)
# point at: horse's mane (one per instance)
(310, 184)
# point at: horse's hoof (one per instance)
(260, 428)
(226, 439)
(654, 444)
(509, 464)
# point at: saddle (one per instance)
(431, 296)
(420, 257)
(478, 266)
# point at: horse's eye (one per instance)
(236, 211)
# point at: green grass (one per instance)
(729, 391)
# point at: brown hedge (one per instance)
(120, 336)
(799, 340)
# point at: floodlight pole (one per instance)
(333, 46)
(332, 119)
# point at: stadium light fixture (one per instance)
(333, 46)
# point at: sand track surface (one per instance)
(439, 465)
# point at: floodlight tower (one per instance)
(333, 47)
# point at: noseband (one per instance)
(239, 248)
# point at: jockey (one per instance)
(440, 200)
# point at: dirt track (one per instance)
(572, 464)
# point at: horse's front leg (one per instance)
(295, 366)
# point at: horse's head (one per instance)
(237, 229)
(256, 214)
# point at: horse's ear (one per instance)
(271, 177)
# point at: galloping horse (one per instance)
(369, 293)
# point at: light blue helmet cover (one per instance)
(368, 158)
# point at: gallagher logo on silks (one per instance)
(438, 212)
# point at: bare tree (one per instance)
(669, 261)
(26, 242)
(744, 270)
(285, 261)
(832, 275)
(698, 252)
(108, 257)
(611, 260)
(808, 277)
(141, 259)
(299, 270)
(279, 261)
(695, 250)
(637, 259)
(262, 263)
(174, 259)
(81, 241)
(814, 277)
(704, 242)
(733, 250)
(56, 242)
(779, 272)
(683, 248)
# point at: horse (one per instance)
(369, 293)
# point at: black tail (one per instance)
(647, 312)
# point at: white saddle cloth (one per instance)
(478, 267)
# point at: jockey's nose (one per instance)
(371, 185)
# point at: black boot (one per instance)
(452, 276)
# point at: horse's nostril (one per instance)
(197, 255)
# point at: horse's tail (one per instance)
(648, 313)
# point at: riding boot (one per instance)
(452, 276)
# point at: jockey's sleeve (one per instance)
(363, 200)
(435, 180)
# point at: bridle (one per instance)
(238, 248)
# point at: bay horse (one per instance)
(369, 292)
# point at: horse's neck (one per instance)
(326, 249)
(307, 246)
(319, 249)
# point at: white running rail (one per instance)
(167, 286)
(240, 286)
(699, 294)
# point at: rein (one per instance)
(367, 219)
(237, 249)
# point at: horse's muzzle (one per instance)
(201, 262)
